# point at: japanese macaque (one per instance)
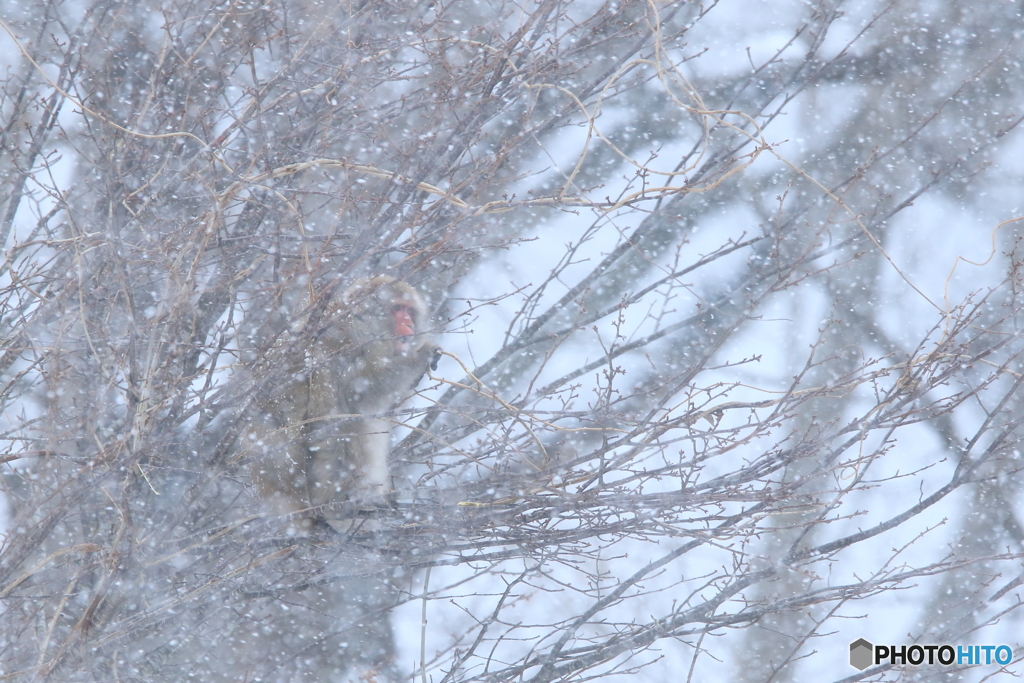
(318, 436)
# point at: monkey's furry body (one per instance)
(318, 436)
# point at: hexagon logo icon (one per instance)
(860, 654)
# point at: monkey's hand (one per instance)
(434, 357)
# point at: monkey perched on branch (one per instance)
(315, 438)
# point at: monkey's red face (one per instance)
(405, 328)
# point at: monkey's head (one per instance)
(375, 340)
(382, 309)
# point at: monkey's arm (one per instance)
(276, 439)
